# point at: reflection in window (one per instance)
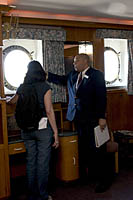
(16, 59)
(112, 65)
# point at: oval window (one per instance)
(16, 59)
(111, 65)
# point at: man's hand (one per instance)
(102, 124)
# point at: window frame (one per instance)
(6, 51)
(119, 65)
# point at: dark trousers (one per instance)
(94, 163)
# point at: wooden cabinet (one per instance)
(63, 124)
(67, 168)
(67, 164)
(16, 148)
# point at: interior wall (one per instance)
(34, 46)
(78, 31)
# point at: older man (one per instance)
(87, 106)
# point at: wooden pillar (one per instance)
(4, 157)
(1, 66)
(98, 54)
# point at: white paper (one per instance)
(101, 136)
(43, 123)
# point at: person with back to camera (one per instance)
(87, 107)
(39, 142)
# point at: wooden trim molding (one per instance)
(1, 68)
(1, 30)
(68, 23)
(1, 77)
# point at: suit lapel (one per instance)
(86, 79)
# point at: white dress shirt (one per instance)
(83, 74)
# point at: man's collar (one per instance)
(83, 72)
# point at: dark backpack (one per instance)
(28, 112)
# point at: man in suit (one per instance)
(87, 107)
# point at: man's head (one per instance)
(82, 61)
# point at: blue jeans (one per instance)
(38, 152)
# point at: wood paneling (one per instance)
(0, 30)
(117, 110)
(1, 126)
(4, 123)
(71, 51)
(98, 54)
(10, 109)
(1, 68)
(79, 34)
(130, 113)
(4, 174)
(69, 23)
(1, 76)
(4, 159)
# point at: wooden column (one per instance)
(98, 54)
(1, 67)
(4, 157)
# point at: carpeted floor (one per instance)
(121, 189)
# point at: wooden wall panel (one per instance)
(130, 112)
(117, 110)
(69, 23)
(1, 68)
(79, 34)
(98, 54)
(4, 174)
(71, 51)
(0, 30)
(4, 158)
(1, 76)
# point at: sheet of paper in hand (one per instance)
(101, 136)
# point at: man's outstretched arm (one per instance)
(57, 79)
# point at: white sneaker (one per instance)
(50, 198)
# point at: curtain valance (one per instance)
(36, 32)
(111, 33)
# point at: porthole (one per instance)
(111, 65)
(15, 59)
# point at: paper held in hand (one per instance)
(101, 136)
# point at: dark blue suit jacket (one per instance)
(89, 100)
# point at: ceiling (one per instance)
(110, 11)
